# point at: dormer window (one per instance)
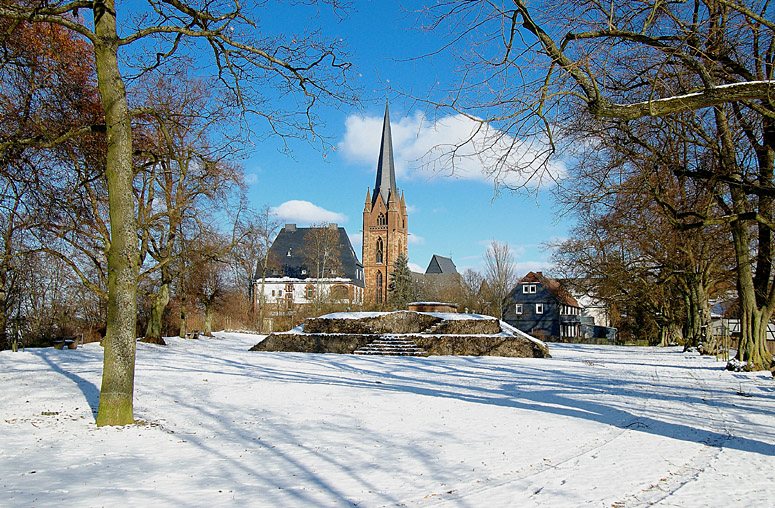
(528, 288)
(290, 252)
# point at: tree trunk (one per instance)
(3, 315)
(208, 326)
(116, 404)
(697, 312)
(183, 323)
(752, 348)
(155, 323)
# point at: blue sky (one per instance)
(454, 216)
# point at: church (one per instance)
(291, 276)
(385, 233)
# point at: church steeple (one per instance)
(385, 234)
(386, 171)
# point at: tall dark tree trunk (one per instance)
(116, 395)
(754, 291)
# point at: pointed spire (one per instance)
(386, 171)
(368, 199)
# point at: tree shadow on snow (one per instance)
(522, 387)
(57, 360)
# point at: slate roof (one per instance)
(440, 264)
(288, 255)
(386, 170)
(552, 285)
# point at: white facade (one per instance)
(287, 290)
(593, 308)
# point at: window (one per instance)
(310, 292)
(280, 292)
(539, 308)
(378, 296)
(273, 292)
(380, 251)
(518, 309)
(528, 288)
(381, 220)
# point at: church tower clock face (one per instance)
(385, 232)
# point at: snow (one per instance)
(353, 315)
(728, 86)
(594, 425)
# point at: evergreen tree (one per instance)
(401, 289)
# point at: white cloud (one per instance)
(251, 178)
(453, 146)
(415, 239)
(357, 240)
(416, 268)
(304, 212)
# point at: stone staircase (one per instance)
(391, 345)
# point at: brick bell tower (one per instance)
(384, 224)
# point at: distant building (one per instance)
(440, 279)
(545, 308)
(295, 273)
(385, 228)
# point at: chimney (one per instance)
(290, 227)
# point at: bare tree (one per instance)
(472, 297)
(500, 274)
(250, 257)
(185, 175)
(323, 256)
(243, 60)
(631, 62)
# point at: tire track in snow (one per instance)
(691, 470)
(587, 452)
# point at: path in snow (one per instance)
(605, 426)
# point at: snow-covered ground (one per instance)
(595, 425)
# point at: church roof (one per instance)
(440, 264)
(386, 171)
(290, 253)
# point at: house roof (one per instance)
(440, 264)
(290, 253)
(386, 171)
(554, 286)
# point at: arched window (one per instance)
(378, 296)
(381, 220)
(380, 251)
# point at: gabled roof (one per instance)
(440, 264)
(386, 171)
(289, 255)
(552, 285)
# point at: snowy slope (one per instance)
(595, 425)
